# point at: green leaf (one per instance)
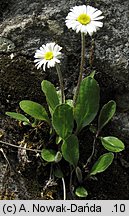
(25, 123)
(48, 155)
(106, 114)
(112, 144)
(58, 140)
(18, 117)
(102, 163)
(58, 173)
(70, 150)
(81, 192)
(58, 157)
(50, 93)
(92, 74)
(69, 102)
(79, 174)
(87, 104)
(63, 120)
(59, 96)
(34, 109)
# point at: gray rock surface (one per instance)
(27, 24)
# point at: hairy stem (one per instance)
(12, 145)
(64, 189)
(70, 182)
(51, 169)
(93, 151)
(91, 58)
(81, 67)
(5, 157)
(61, 82)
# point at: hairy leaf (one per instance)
(34, 109)
(112, 144)
(70, 150)
(106, 114)
(87, 104)
(69, 102)
(58, 172)
(48, 155)
(81, 192)
(79, 174)
(50, 93)
(58, 157)
(62, 120)
(102, 163)
(18, 116)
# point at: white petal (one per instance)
(75, 9)
(90, 29)
(57, 48)
(51, 46)
(40, 63)
(37, 60)
(82, 9)
(38, 55)
(96, 14)
(78, 28)
(93, 27)
(72, 15)
(40, 51)
(90, 10)
(44, 65)
(98, 18)
(57, 60)
(43, 46)
(57, 55)
(51, 63)
(83, 29)
(97, 23)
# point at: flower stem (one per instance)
(64, 189)
(93, 150)
(81, 67)
(92, 53)
(61, 82)
(70, 182)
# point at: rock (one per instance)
(13, 185)
(112, 45)
(121, 126)
(6, 45)
(29, 24)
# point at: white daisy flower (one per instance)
(47, 55)
(84, 19)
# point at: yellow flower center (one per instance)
(84, 19)
(48, 55)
